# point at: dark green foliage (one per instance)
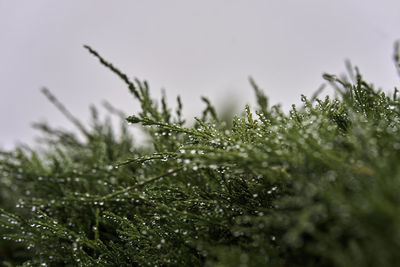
(316, 187)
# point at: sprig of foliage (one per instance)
(315, 187)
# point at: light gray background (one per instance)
(191, 48)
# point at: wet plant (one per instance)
(318, 186)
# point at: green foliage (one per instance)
(316, 187)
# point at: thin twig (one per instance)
(64, 111)
(141, 184)
(110, 66)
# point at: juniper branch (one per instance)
(110, 66)
(65, 111)
(139, 185)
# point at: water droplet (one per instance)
(213, 166)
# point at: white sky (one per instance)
(191, 48)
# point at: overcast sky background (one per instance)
(190, 48)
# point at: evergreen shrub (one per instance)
(318, 186)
